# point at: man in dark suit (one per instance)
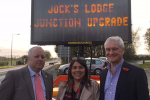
(23, 84)
(120, 80)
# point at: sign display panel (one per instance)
(63, 51)
(62, 22)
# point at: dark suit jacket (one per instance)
(17, 85)
(132, 84)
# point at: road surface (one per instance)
(4, 71)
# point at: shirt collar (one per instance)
(32, 73)
(117, 66)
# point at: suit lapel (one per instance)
(46, 82)
(27, 78)
(63, 93)
(102, 83)
(122, 78)
(85, 94)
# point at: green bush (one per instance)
(142, 57)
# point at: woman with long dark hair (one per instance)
(78, 86)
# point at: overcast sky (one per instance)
(15, 18)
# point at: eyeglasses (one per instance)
(75, 58)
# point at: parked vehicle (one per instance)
(104, 59)
(96, 68)
(51, 62)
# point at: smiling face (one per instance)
(114, 52)
(37, 59)
(77, 71)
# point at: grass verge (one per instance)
(57, 67)
(2, 67)
(146, 65)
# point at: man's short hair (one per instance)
(30, 50)
(115, 38)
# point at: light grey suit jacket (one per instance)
(90, 93)
(17, 85)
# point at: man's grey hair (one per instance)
(30, 50)
(115, 38)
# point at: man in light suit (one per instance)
(121, 80)
(20, 84)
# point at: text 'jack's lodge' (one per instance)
(76, 22)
